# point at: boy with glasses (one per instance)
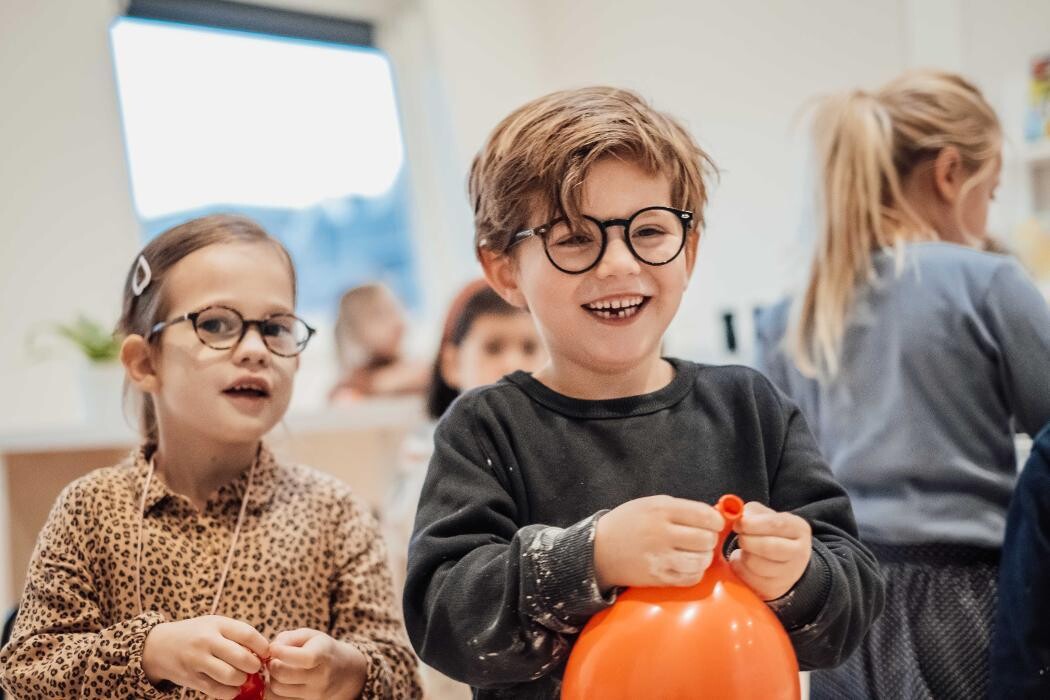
(550, 492)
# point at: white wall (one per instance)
(67, 230)
(999, 40)
(737, 74)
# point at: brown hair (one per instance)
(542, 151)
(141, 312)
(474, 301)
(867, 144)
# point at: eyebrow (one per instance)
(270, 310)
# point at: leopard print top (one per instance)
(308, 556)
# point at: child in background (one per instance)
(549, 492)
(369, 334)
(175, 572)
(484, 338)
(913, 353)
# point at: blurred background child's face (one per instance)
(495, 345)
(379, 327)
(196, 393)
(973, 209)
(573, 333)
(957, 214)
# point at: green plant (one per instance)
(96, 342)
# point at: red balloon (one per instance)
(255, 687)
(716, 639)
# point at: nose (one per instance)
(251, 351)
(617, 259)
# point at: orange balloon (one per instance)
(716, 640)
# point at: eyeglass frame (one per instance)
(246, 323)
(684, 216)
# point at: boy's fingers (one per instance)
(777, 549)
(772, 524)
(756, 508)
(755, 566)
(693, 539)
(695, 514)
(689, 563)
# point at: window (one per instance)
(300, 134)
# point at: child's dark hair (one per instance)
(140, 312)
(475, 300)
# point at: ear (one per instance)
(137, 358)
(948, 175)
(501, 272)
(449, 367)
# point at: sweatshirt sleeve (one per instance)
(1018, 318)
(828, 612)
(60, 646)
(488, 602)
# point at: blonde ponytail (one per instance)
(866, 145)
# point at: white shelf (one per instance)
(370, 414)
(1036, 153)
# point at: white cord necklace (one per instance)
(229, 555)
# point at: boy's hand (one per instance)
(211, 654)
(655, 541)
(310, 665)
(774, 550)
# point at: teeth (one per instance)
(616, 304)
(621, 313)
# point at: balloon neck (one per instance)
(732, 509)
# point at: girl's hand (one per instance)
(211, 654)
(774, 550)
(307, 664)
(655, 541)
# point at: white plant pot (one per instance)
(101, 393)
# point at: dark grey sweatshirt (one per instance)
(501, 569)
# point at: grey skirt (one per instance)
(931, 641)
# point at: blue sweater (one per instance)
(1020, 658)
(941, 361)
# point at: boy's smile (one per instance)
(610, 320)
(617, 309)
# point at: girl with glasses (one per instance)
(201, 563)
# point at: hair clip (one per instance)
(141, 277)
